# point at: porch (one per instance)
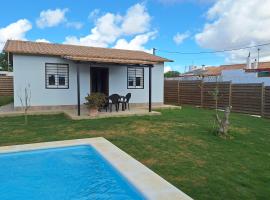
(71, 112)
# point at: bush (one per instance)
(5, 100)
(95, 100)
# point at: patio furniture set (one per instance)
(116, 100)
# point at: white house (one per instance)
(62, 75)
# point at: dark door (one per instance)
(100, 80)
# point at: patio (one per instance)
(71, 112)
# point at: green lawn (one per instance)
(5, 100)
(179, 145)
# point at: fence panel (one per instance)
(171, 92)
(6, 86)
(267, 102)
(247, 98)
(224, 89)
(190, 92)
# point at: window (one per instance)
(135, 77)
(57, 76)
(264, 74)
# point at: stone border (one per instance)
(149, 184)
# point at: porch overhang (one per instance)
(110, 60)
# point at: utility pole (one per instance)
(154, 51)
(258, 57)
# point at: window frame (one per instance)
(135, 87)
(47, 86)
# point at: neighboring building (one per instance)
(64, 74)
(237, 73)
(6, 73)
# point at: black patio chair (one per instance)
(125, 101)
(114, 99)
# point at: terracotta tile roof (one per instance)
(215, 71)
(83, 53)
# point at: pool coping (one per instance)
(149, 184)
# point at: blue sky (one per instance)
(174, 25)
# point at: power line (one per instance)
(210, 52)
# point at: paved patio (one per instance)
(8, 110)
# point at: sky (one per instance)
(167, 25)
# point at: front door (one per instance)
(100, 80)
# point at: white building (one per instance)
(64, 74)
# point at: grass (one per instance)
(5, 100)
(179, 145)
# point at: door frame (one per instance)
(106, 69)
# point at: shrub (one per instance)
(95, 100)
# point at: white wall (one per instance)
(118, 84)
(240, 76)
(31, 70)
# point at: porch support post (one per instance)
(150, 88)
(78, 90)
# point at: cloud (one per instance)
(16, 30)
(234, 24)
(76, 25)
(51, 18)
(171, 2)
(111, 27)
(43, 40)
(105, 32)
(137, 20)
(180, 37)
(137, 43)
(167, 68)
(93, 14)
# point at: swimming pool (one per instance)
(77, 172)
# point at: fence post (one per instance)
(202, 85)
(262, 99)
(178, 93)
(230, 95)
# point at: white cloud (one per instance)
(167, 68)
(51, 18)
(93, 14)
(76, 25)
(105, 32)
(234, 24)
(137, 43)
(43, 40)
(137, 20)
(16, 30)
(180, 37)
(171, 2)
(110, 27)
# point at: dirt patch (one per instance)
(150, 161)
(241, 130)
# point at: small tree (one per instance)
(223, 123)
(25, 102)
(171, 74)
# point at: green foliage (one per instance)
(95, 100)
(170, 74)
(5, 100)
(3, 62)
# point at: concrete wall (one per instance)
(240, 76)
(31, 70)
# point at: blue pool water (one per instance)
(68, 173)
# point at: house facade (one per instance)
(63, 75)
